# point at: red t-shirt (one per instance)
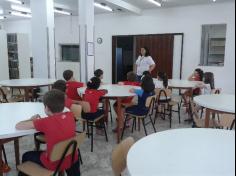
(72, 90)
(93, 97)
(68, 103)
(56, 129)
(130, 99)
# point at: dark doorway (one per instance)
(124, 54)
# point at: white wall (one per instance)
(187, 20)
(4, 68)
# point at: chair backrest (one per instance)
(227, 121)
(3, 96)
(119, 156)
(163, 94)
(85, 106)
(77, 111)
(66, 148)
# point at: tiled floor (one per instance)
(99, 162)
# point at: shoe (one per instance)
(5, 168)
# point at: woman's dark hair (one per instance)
(209, 78)
(98, 73)
(131, 76)
(60, 85)
(201, 73)
(147, 51)
(147, 73)
(94, 83)
(163, 76)
(147, 84)
(54, 100)
(68, 74)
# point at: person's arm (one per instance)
(152, 67)
(152, 64)
(28, 124)
(192, 77)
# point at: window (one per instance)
(70, 53)
(213, 45)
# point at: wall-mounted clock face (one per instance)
(99, 40)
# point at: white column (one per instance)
(86, 26)
(43, 45)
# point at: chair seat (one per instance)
(41, 138)
(173, 103)
(135, 116)
(200, 123)
(33, 169)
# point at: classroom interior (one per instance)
(106, 43)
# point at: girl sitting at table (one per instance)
(208, 85)
(131, 81)
(162, 81)
(99, 73)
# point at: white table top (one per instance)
(35, 82)
(12, 113)
(185, 152)
(222, 102)
(114, 90)
(183, 84)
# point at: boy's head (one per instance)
(147, 84)
(94, 83)
(54, 102)
(68, 75)
(132, 77)
(60, 85)
(99, 73)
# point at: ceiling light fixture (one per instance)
(1, 11)
(2, 17)
(102, 6)
(155, 2)
(20, 14)
(61, 11)
(20, 8)
(15, 1)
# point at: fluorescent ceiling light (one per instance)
(15, 1)
(62, 12)
(2, 17)
(103, 7)
(155, 2)
(20, 14)
(20, 8)
(1, 11)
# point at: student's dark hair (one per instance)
(131, 76)
(98, 73)
(147, 84)
(60, 85)
(94, 83)
(54, 100)
(209, 78)
(68, 74)
(163, 76)
(201, 73)
(147, 73)
(147, 51)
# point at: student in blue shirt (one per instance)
(147, 90)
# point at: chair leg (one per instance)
(80, 157)
(88, 130)
(170, 108)
(91, 137)
(202, 111)
(179, 109)
(124, 127)
(4, 155)
(105, 131)
(134, 124)
(110, 112)
(144, 126)
(153, 125)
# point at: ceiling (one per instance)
(71, 5)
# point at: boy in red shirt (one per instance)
(72, 85)
(57, 127)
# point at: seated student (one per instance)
(162, 81)
(57, 127)
(92, 95)
(99, 74)
(131, 81)
(147, 90)
(72, 85)
(208, 85)
(146, 73)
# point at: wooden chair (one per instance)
(119, 156)
(59, 153)
(226, 121)
(150, 102)
(164, 100)
(200, 122)
(3, 96)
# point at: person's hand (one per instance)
(35, 117)
(120, 83)
(132, 90)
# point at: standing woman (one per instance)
(144, 63)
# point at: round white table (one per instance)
(27, 84)
(184, 152)
(10, 115)
(182, 84)
(116, 92)
(223, 103)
